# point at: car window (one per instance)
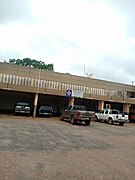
(75, 108)
(101, 112)
(68, 108)
(82, 108)
(45, 107)
(79, 108)
(115, 112)
(106, 111)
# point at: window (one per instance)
(74, 108)
(108, 106)
(35, 82)
(0, 77)
(10, 78)
(115, 112)
(32, 81)
(106, 111)
(101, 112)
(82, 108)
(46, 84)
(68, 108)
(79, 108)
(25, 81)
(17, 80)
(13, 79)
(52, 85)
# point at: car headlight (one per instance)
(18, 107)
(28, 108)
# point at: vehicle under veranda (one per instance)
(45, 110)
(77, 113)
(22, 108)
(112, 116)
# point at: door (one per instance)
(66, 112)
(105, 116)
(101, 114)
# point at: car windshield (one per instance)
(45, 107)
(79, 108)
(22, 104)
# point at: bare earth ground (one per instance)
(49, 149)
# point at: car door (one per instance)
(66, 112)
(105, 116)
(101, 114)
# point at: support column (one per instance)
(100, 105)
(126, 108)
(71, 101)
(35, 105)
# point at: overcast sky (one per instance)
(78, 36)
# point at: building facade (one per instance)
(44, 85)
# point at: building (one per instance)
(20, 83)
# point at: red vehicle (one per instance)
(132, 117)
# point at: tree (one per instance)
(32, 63)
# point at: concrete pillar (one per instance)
(100, 105)
(126, 108)
(35, 105)
(71, 101)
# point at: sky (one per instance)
(80, 37)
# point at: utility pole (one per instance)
(89, 75)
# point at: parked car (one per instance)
(75, 113)
(112, 116)
(22, 108)
(132, 117)
(45, 110)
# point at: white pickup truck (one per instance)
(111, 116)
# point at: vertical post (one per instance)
(36, 95)
(35, 105)
(100, 105)
(71, 101)
(126, 108)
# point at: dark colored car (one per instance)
(45, 110)
(132, 117)
(22, 108)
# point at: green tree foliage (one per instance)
(32, 63)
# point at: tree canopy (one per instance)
(32, 63)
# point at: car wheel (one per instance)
(87, 123)
(72, 120)
(110, 121)
(121, 123)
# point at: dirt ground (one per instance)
(49, 149)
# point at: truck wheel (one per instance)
(121, 123)
(110, 121)
(87, 123)
(72, 120)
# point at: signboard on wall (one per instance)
(69, 93)
(72, 93)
